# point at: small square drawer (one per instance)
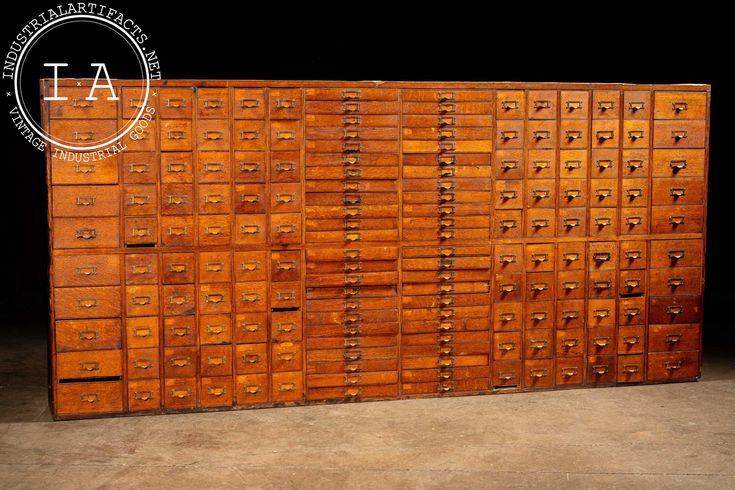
(179, 300)
(213, 103)
(632, 282)
(251, 328)
(179, 331)
(541, 193)
(541, 164)
(217, 391)
(286, 325)
(538, 374)
(602, 284)
(572, 193)
(215, 360)
(634, 192)
(250, 297)
(635, 163)
(540, 257)
(508, 224)
(285, 103)
(601, 312)
(286, 228)
(541, 104)
(215, 329)
(249, 103)
(214, 167)
(508, 317)
(507, 346)
(142, 332)
(540, 223)
(569, 371)
(633, 221)
(285, 198)
(510, 104)
(285, 135)
(249, 166)
(176, 167)
(570, 314)
(509, 134)
(573, 164)
(605, 133)
(180, 362)
(140, 167)
(144, 395)
(180, 393)
(214, 199)
(575, 104)
(214, 135)
(603, 221)
(507, 374)
(286, 356)
(508, 287)
(176, 135)
(539, 314)
(571, 285)
(214, 229)
(508, 258)
(285, 265)
(570, 256)
(287, 387)
(508, 164)
(542, 134)
(215, 267)
(141, 231)
(285, 166)
(631, 368)
(636, 134)
(249, 135)
(633, 254)
(215, 298)
(250, 198)
(570, 342)
(637, 104)
(140, 199)
(632, 311)
(574, 134)
(606, 104)
(250, 229)
(601, 369)
(175, 103)
(509, 194)
(604, 164)
(141, 300)
(538, 344)
(177, 268)
(285, 295)
(539, 286)
(251, 358)
(143, 363)
(250, 266)
(251, 389)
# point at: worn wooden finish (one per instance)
(266, 243)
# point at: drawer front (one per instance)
(89, 398)
(674, 338)
(675, 309)
(87, 302)
(676, 253)
(679, 134)
(77, 105)
(678, 163)
(677, 219)
(89, 364)
(677, 281)
(86, 232)
(673, 366)
(76, 335)
(86, 270)
(86, 201)
(680, 105)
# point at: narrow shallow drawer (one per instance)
(680, 105)
(86, 201)
(86, 232)
(446, 386)
(89, 398)
(77, 106)
(100, 172)
(673, 366)
(74, 335)
(353, 392)
(87, 302)
(352, 379)
(89, 364)
(676, 253)
(83, 133)
(86, 270)
(350, 93)
(673, 338)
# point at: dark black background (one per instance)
(448, 41)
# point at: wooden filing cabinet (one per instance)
(281, 243)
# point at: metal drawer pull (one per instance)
(632, 283)
(254, 166)
(676, 254)
(350, 94)
(506, 375)
(86, 201)
(285, 198)
(603, 313)
(83, 135)
(634, 164)
(571, 222)
(673, 365)
(249, 229)
(600, 369)
(605, 135)
(541, 135)
(447, 133)
(679, 134)
(508, 105)
(445, 185)
(572, 164)
(539, 373)
(508, 223)
(88, 168)
(178, 300)
(175, 200)
(571, 285)
(508, 164)
(214, 167)
(285, 103)
(540, 223)
(509, 135)
(677, 192)
(86, 234)
(446, 210)
(214, 298)
(249, 297)
(176, 103)
(674, 310)
(285, 295)
(89, 366)
(353, 279)
(87, 271)
(215, 329)
(88, 334)
(180, 361)
(442, 96)
(605, 105)
(351, 107)
(633, 254)
(214, 199)
(541, 164)
(87, 303)
(251, 389)
(352, 236)
(250, 327)
(601, 284)
(505, 195)
(178, 268)
(636, 106)
(143, 395)
(249, 135)
(635, 135)
(569, 314)
(214, 267)
(539, 286)
(603, 164)
(249, 103)
(216, 390)
(676, 220)
(216, 135)
(447, 120)
(539, 258)
(574, 105)
(179, 331)
(141, 300)
(603, 221)
(139, 200)
(351, 254)
(185, 393)
(507, 259)
(601, 256)
(447, 146)
(446, 197)
(139, 168)
(679, 106)
(538, 316)
(140, 232)
(631, 312)
(287, 356)
(214, 103)
(540, 193)
(508, 288)
(677, 165)
(632, 339)
(214, 230)
(507, 317)
(541, 104)
(572, 193)
(286, 135)
(603, 193)
(676, 282)
(569, 372)
(447, 172)
(447, 108)
(286, 327)
(574, 135)
(176, 135)
(351, 186)
(353, 212)
(250, 358)
(570, 342)
(286, 265)
(351, 134)
(82, 103)
(89, 397)
(571, 256)
(633, 193)
(143, 364)
(673, 338)
(538, 344)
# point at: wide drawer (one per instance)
(87, 302)
(86, 232)
(352, 211)
(673, 366)
(351, 379)
(351, 107)
(354, 304)
(675, 282)
(674, 309)
(351, 120)
(89, 364)
(451, 209)
(433, 362)
(89, 398)
(86, 270)
(676, 253)
(351, 342)
(445, 300)
(351, 317)
(679, 134)
(75, 335)
(85, 201)
(677, 219)
(447, 386)
(674, 338)
(680, 105)
(350, 93)
(351, 330)
(353, 392)
(433, 375)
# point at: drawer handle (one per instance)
(603, 193)
(250, 167)
(631, 312)
(179, 331)
(508, 164)
(350, 94)
(447, 121)
(447, 146)
(601, 341)
(674, 310)
(538, 344)
(540, 223)
(446, 362)
(672, 365)
(632, 283)
(177, 103)
(88, 334)
(445, 263)
(601, 222)
(636, 106)
(352, 212)
(506, 346)
(633, 254)
(86, 234)
(352, 318)
(87, 271)
(539, 258)
(443, 96)
(140, 232)
(89, 397)
(250, 358)
(541, 135)
(87, 303)
(539, 286)
(445, 108)
(81, 168)
(214, 230)
(250, 297)
(286, 135)
(214, 167)
(539, 373)
(351, 329)
(445, 301)
(507, 259)
(673, 338)
(181, 393)
(216, 360)
(446, 276)
(215, 329)
(142, 364)
(352, 356)
(675, 282)
(351, 159)
(509, 135)
(601, 256)
(286, 265)
(569, 372)
(538, 316)
(602, 313)
(86, 201)
(351, 254)
(574, 135)
(178, 268)
(176, 135)
(351, 186)
(445, 185)
(570, 285)
(445, 210)
(351, 134)
(214, 103)
(572, 193)
(600, 369)
(540, 194)
(352, 199)
(286, 356)
(216, 390)
(139, 168)
(216, 135)
(508, 288)
(141, 300)
(83, 135)
(679, 106)
(506, 375)
(446, 234)
(351, 305)
(679, 134)
(676, 254)
(677, 165)
(250, 198)
(573, 164)
(214, 267)
(570, 342)
(569, 314)
(634, 193)
(506, 195)
(635, 135)
(444, 314)
(447, 172)
(139, 200)
(509, 105)
(631, 368)
(214, 198)
(143, 395)
(175, 200)
(285, 295)
(541, 104)
(541, 164)
(445, 160)
(447, 197)
(676, 220)
(677, 192)
(352, 236)
(285, 103)
(571, 222)
(214, 298)
(634, 164)
(507, 317)
(82, 103)
(350, 107)
(252, 389)
(601, 284)
(249, 229)
(249, 103)
(446, 288)
(286, 327)
(631, 339)
(447, 133)
(571, 256)
(180, 362)
(508, 223)
(249, 135)
(89, 366)
(250, 327)
(604, 164)
(605, 105)
(285, 198)
(176, 168)
(574, 105)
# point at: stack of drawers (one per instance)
(446, 238)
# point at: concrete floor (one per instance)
(663, 436)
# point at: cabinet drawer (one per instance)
(570, 371)
(215, 360)
(542, 134)
(358, 132)
(286, 356)
(601, 370)
(139, 199)
(574, 134)
(251, 328)
(352, 379)
(510, 104)
(680, 105)
(351, 94)
(673, 366)
(356, 107)
(509, 134)
(286, 326)
(446, 263)
(601, 312)
(251, 388)
(142, 332)
(635, 163)
(538, 374)
(506, 374)
(213, 167)
(541, 193)
(250, 166)
(538, 344)
(86, 270)
(179, 331)
(86, 201)
(606, 104)
(249, 103)
(175, 103)
(674, 309)
(176, 135)
(285, 265)
(285, 295)
(354, 392)
(89, 364)
(89, 398)
(285, 103)
(677, 219)
(636, 134)
(180, 393)
(570, 342)
(83, 132)
(77, 106)
(144, 395)
(142, 363)
(180, 362)
(571, 313)
(678, 191)
(605, 133)
(637, 104)
(100, 172)
(542, 104)
(250, 296)
(141, 300)
(217, 391)
(351, 317)
(213, 103)
(679, 134)
(632, 311)
(250, 229)
(214, 135)
(176, 167)
(87, 302)
(76, 335)
(347, 304)
(674, 338)
(678, 163)
(348, 120)
(676, 253)
(179, 300)
(631, 339)
(675, 282)
(632, 282)
(86, 232)
(214, 298)
(575, 104)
